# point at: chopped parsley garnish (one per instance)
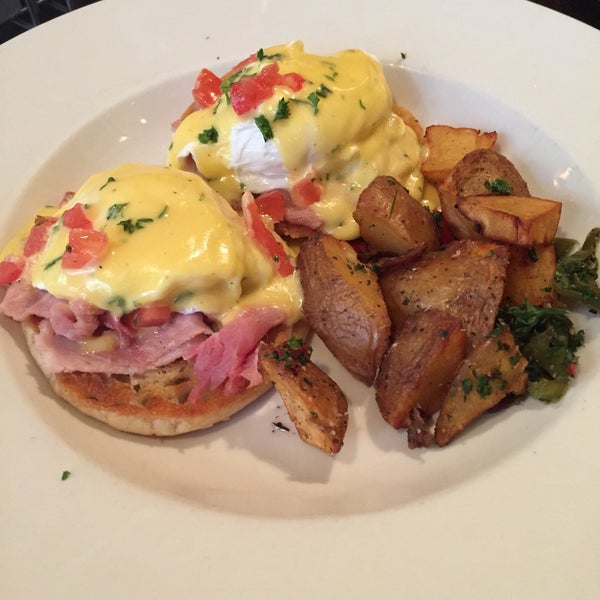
(313, 100)
(109, 180)
(283, 110)
(260, 55)
(209, 136)
(118, 301)
(264, 127)
(115, 211)
(50, 264)
(130, 226)
(498, 186)
(65, 475)
(293, 353)
(360, 103)
(163, 212)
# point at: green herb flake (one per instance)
(115, 211)
(361, 104)
(65, 475)
(498, 186)
(109, 180)
(314, 99)
(50, 264)
(264, 127)
(131, 226)
(283, 110)
(443, 333)
(482, 385)
(163, 212)
(209, 136)
(467, 386)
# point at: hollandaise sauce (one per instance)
(288, 119)
(169, 239)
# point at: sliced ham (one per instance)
(152, 348)
(75, 336)
(228, 355)
(302, 216)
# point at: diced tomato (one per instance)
(75, 218)
(249, 92)
(307, 191)
(273, 204)
(38, 235)
(151, 315)
(294, 81)
(67, 196)
(207, 88)
(572, 369)
(85, 246)
(264, 238)
(10, 269)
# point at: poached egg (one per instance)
(322, 122)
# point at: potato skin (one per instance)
(493, 370)
(391, 220)
(314, 402)
(465, 279)
(344, 305)
(530, 275)
(468, 178)
(419, 365)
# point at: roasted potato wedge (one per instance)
(314, 402)
(518, 220)
(473, 176)
(493, 370)
(447, 146)
(418, 367)
(465, 279)
(530, 275)
(391, 220)
(343, 304)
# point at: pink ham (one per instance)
(152, 348)
(228, 355)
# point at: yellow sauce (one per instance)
(187, 249)
(347, 139)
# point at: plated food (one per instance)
(163, 299)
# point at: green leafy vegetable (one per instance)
(547, 338)
(576, 276)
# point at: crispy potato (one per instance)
(391, 220)
(419, 365)
(465, 279)
(469, 178)
(314, 402)
(448, 145)
(493, 370)
(530, 275)
(519, 220)
(344, 305)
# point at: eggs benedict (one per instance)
(144, 297)
(318, 128)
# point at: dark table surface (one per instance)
(587, 11)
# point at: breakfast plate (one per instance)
(246, 509)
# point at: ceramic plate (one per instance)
(246, 510)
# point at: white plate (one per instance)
(510, 509)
